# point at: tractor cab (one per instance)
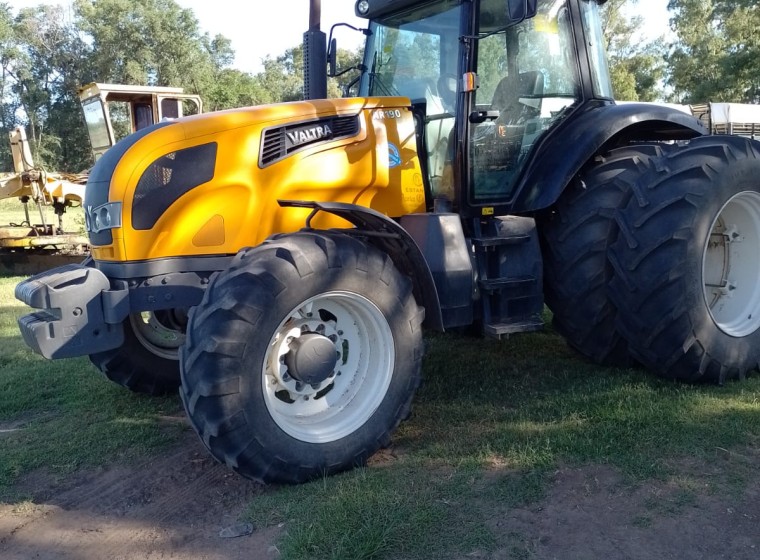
(490, 80)
(111, 111)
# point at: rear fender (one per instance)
(595, 128)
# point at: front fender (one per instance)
(392, 239)
(584, 134)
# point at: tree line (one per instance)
(46, 54)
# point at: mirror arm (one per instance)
(359, 67)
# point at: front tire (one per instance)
(687, 262)
(302, 358)
(148, 361)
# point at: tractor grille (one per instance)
(282, 141)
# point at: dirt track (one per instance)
(592, 514)
(170, 507)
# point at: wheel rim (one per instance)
(344, 395)
(731, 267)
(161, 333)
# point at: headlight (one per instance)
(103, 217)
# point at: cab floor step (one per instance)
(498, 330)
(493, 284)
(499, 241)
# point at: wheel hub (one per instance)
(161, 332)
(311, 358)
(328, 366)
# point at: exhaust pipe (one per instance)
(315, 55)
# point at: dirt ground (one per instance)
(591, 513)
(171, 507)
(176, 506)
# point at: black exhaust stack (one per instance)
(315, 56)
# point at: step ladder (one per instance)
(509, 275)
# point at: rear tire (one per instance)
(575, 238)
(687, 282)
(252, 387)
(148, 361)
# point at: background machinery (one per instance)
(112, 111)
(28, 244)
(278, 263)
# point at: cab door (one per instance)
(527, 81)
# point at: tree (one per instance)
(717, 53)
(229, 87)
(637, 70)
(8, 101)
(145, 42)
(40, 70)
(348, 61)
(282, 78)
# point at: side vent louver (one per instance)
(282, 141)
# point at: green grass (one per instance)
(377, 513)
(491, 424)
(64, 414)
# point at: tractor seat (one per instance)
(508, 94)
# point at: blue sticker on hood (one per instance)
(394, 158)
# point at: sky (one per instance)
(255, 35)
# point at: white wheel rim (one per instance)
(354, 389)
(159, 339)
(731, 266)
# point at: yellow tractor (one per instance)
(278, 263)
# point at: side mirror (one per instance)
(332, 57)
(519, 10)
